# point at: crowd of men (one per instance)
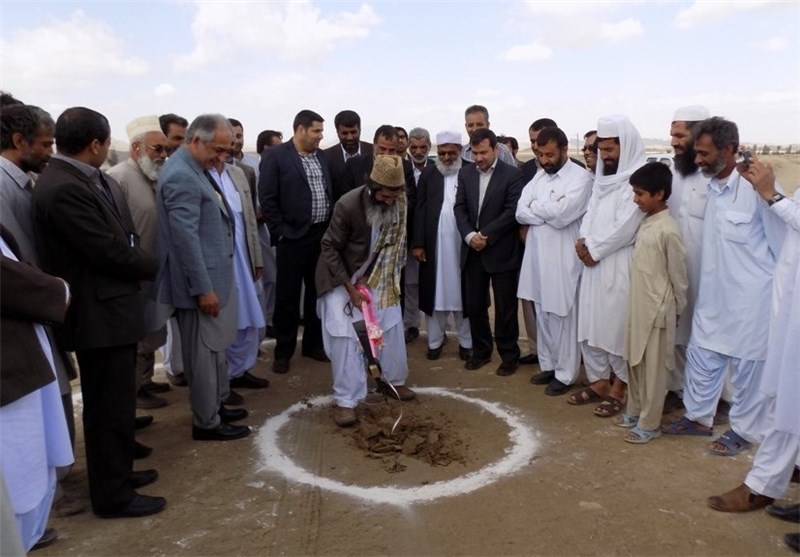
(658, 281)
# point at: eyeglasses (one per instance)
(158, 149)
(590, 148)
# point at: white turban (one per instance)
(691, 113)
(448, 137)
(142, 125)
(631, 150)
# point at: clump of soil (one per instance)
(423, 437)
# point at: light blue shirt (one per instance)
(741, 242)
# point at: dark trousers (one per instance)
(108, 385)
(506, 326)
(296, 266)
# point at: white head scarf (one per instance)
(631, 155)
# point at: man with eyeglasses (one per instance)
(196, 276)
(590, 150)
(137, 177)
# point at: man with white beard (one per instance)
(436, 244)
(551, 207)
(740, 245)
(605, 248)
(137, 177)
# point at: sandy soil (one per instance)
(583, 492)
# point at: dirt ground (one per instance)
(583, 492)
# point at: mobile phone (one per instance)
(745, 162)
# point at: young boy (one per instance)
(657, 296)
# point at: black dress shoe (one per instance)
(543, 378)
(530, 359)
(318, 355)
(507, 368)
(556, 388)
(249, 381)
(232, 414)
(411, 334)
(156, 387)
(793, 541)
(789, 514)
(141, 478)
(435, 353)
(464, 353)
(143, 421)
(476, 363)
(140, 505)
(234, 399)
(141, 451)
(223, 432)
(280, 365)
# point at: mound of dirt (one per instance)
(433, 440)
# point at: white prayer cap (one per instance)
(691, 113)
(609, 126)
(448, 137)
(142, 125)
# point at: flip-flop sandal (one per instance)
(733, 443)
(643, 436)
(685, 426)
(627, 421)
(608, 408)
(584, 396)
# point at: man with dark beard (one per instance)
(436, 245)
(365, 245)
(607, 234)
(687, 205)
(551, 208)
(137, 177)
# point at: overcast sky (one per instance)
(411, 63)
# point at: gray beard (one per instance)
(445, 170)
(378, 213)
(149, 168)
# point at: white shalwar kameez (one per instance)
(780, 383)
(687, 205)
(609, 228)
(552, 206)
(741, 240)
(344, 349)
(34, 441)
(242, 354)
(448, 275)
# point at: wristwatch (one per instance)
(775, 198)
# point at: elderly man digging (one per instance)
(365, 245)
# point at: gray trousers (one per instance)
(207, 370)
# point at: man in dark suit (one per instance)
(348, 129)
(485, 208)
(86, 235)
(296, 197)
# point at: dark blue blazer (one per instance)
(284, 191)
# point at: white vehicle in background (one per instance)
(663, 158)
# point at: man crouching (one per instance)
(364, 244)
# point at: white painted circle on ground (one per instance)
(523, 445)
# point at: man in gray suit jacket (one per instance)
(195, 241)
